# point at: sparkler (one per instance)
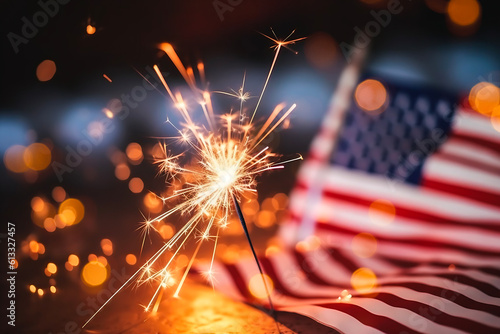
(225, 157)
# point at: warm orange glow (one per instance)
(131, 259)
(270, 204)
(370, 95)
(107, 78)
(309, 244)
(108, 113)
(14, 159)
(94, 274)
(37, 156)
(134, 152)
(451, 267)
(71, 211)
(53, 289)
(73, 260)
(136, 185)
(34, 246)
(49, 224)
(182, 261)
(122, 172)
(41, 249)
(382, 211)
(59, 221)
(257, 288)
(166, 231)
(484, 98)
(495, 118)
(107, 247)
(40, 292)
(464, 12)
(345, 296)
(321, 50)
(32, 288)
(58, 194)
(102, 260)
(37, 204)
(46, 70)
(272, 250)
(153, 203)
(439, 6)
(250, 208)
(363, 280)
(282, 200)
(51, 268)
(265, 219)
(364, 245)
(68, 266)
(92, 257)
(91, 29)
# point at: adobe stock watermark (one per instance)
(31, 26)
(91, 139)
(436, 306)
(223, 6)
(363, 37)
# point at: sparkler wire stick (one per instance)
(245, 228)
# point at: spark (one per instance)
(224, 156)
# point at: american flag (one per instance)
(394, 221)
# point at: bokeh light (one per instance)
(122, 172)
(51, 268)
(153, 203)
(364, 245)
(32, 288)
(495, 118)
(484, 98)
(131, 259)
(282, 200)
(53, 289)
(37, 204)
(73, 260)
(46, 70)
(37, 156)
(464, 12)
(371, 96)
(33, 246)
(382, 212)
(91, 29)
(363, 280)
(166, 231)
(107, 247)
(40, 292)
(94, 274)
(14, 159)
(49, 224)
(58, 194)
(321, 50)
(71, 211)
(257, 288)
(265, 219)
(439, 6)
(136, 185)
(134, 153)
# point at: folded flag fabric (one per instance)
(394, 222)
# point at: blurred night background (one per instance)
(78, 76)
